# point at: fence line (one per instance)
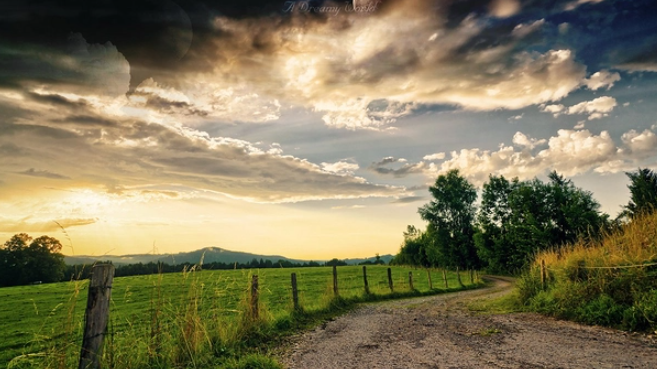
(99, 294)
(607, 267)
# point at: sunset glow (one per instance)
(168, 127)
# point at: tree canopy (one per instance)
(24, 260)
(643, 192)
(514, 220)
(451, 214)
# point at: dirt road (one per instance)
(440, 332)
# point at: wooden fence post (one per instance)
(367, 286)
(410, 280)
(471, 277)
(390, 280)
(476, 276)
(96, 316)
(335, 281)
(543, 275)
(295, 292)
(254, 297)
(429, 276)
(458, 277)
(445, 278)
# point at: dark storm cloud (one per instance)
(56, 99)
(382, 167)
(408, 200)
(87, 120)
(43, 173)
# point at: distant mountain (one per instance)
(209, 255)
(385, 258)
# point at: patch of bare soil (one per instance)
(440, 332)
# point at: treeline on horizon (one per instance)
(24, 260)
(80, 271)
(513, 222)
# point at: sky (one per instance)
(307, 129)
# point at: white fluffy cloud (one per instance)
(596, 108)
(436, 156)
(602, 79)
(340, 167)
(523, 140)
(644, 142)
(570, 152)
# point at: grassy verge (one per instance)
(611, 282)
(197, 319)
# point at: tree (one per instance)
(413, 250)
(22, 263)
(517, 219)
(573, 211)
(643, 193)
(451, 215)
(491, 238)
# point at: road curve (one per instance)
(440, 332)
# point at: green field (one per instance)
(177, 313)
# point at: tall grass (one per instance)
(608, 282)
(200, 319)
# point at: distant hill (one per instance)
(209, 255)
(385, 258)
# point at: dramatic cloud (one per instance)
(364, 72)
(122, 146)
(79, 67)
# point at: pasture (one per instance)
(172, 320)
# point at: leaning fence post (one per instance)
(367, 286)
(390, 280)
(254, 297)
(429, 276)
(96, 316)
(295, 292)
(335, 281)
(410, 280)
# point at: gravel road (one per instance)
(440, 332)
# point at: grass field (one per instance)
(172, 320)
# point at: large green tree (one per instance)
(517, 219)
(24, 260)
(643, 192)
(451, 215)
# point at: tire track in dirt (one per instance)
(440, 332)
